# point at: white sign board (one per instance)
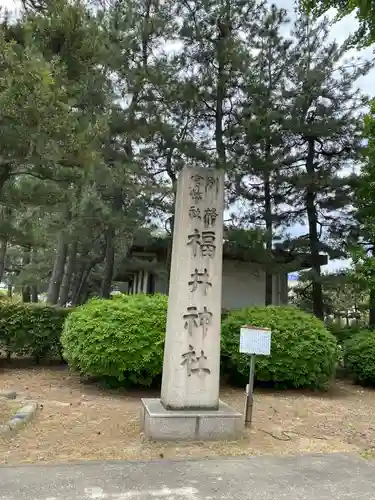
(255, 340)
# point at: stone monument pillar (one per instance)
(189, 407)
(192, 344)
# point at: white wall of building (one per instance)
(243, 285)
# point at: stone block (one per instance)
(226, 427)
(8, 394)
(160, 424)
(23, 415)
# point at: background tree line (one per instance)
(102, 103)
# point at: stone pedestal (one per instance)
(160, 424)
(191, 369)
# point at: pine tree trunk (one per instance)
(269, 289)
(4, 175)
(173, 177)
(34, 294)
(317, 292)
(84, 297)
(67, 280)
(81, 288)
(77, 299)
(372, 309)
(169, 254)
(267, 188)
(26, 291)
(220, 94)
(3, 251)
(58, 270)
(26, 294)
(106, 286)
(34, 288)
(268, 219)
(76, 281)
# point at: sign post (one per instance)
(253, 341)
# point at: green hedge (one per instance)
(303, 352)
(31, 329)
(120, 339)
(359, 357)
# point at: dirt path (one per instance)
(83, 422)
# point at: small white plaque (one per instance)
(255, 340)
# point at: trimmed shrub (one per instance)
(31, 329)
(121, 338)
(359, 357)
(303, 352)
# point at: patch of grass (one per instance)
(368, 454)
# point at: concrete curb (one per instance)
(8, 394)
(19, 419)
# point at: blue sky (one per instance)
(339, 31)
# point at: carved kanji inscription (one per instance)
(200, 279)
(194, 363)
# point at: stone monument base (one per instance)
(160, 424)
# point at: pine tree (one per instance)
(215, 50)
(343, 296)
(323, 110)
(364, 10)
(60, 139)
(260, 147)
(363, 249)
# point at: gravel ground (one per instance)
(7, 409)
(79, 421)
